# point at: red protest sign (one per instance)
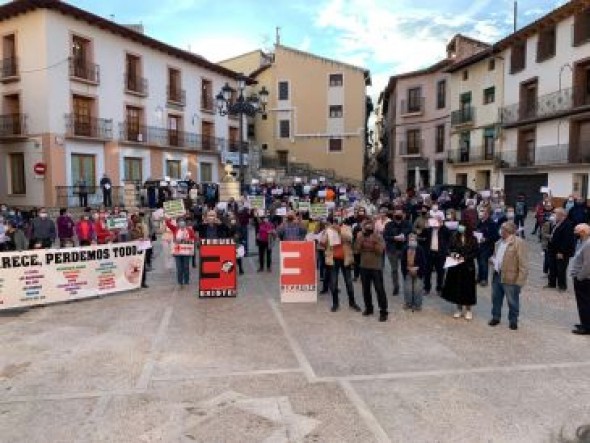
(298, 272)
(217, 270)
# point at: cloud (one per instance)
(305, 44)
(221, 47)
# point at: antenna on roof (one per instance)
(515, 14)
(112, 17)
(278, 35)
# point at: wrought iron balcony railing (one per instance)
(176, 95)
(13, 125)
(463, 116)
(410, 149)
(136, 84)
(471, 155)
(8, 68)
(412, 106)
(151, 135)
(84, 70)
(536, 156)
(83, 126)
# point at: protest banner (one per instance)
(40, 277)
(174, 208)
(228, 190)
(304, 206)
(117, 222)
(256, 202)
(318, 210)
(217, 269)
(298, 278)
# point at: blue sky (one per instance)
(385, 36)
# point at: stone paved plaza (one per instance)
(161, 365)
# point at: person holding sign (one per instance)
(459, 287)
(183, 248)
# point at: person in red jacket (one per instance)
(85, 231)
(103, 235)
(182, 234)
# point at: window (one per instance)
(11, 122)
(208, 135)
(441, 94)
(251, 130)
(464, 145)
(528, 99)
(133, 169)
(440, 138)
(414, 100)
(83, 168)
(491, 64)
(9, 66)
(489, 135)
(207, 102)
(439, 171)
(465, 75)
(336, 111)
(581, 27)
(489, 95)
(175, 92)
(174, 130)
(80, 64)
(518, 57)
(82, 120)
(335, 145)
(284, 129)
(413, 141)
(205, 172)
(16, 162)
(173, 168)
(234, 139)
(283, 90)
(133, 120)
(336, 80)
(133, 79)
(546, 44)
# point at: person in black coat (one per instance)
(413, 264)
(561, 247)
(489, 231)
(460, 287)
(436, 241)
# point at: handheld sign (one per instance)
(117, 222)
(217, 269)
(174, 208)
(298, 272)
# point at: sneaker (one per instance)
(468, 315)
(458, 314)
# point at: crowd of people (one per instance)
(430, 246)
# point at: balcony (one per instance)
(85, 71)
(538, 156)
(470, 155)
(154, 136)
(9, 69)
(464, 116)
(13, 126)
(176, 95)
(208, 103)
(136, 85)
(88, 127)
(412, 107)
(545, 107)
(413, 149)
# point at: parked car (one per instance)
(458, 194)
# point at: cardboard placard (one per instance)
(256, 202)
(186, 248)
(174, 208)
(304, 206)
(298, 278)
(229, 190)
(217, 269)
(318, 210)
(117, 222)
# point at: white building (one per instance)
(546, 120)
(84, 95)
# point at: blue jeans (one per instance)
(413, 291)
(346, 273)
(483, 264)
(182, 268)
(512, 293)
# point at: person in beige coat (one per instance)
(510, 274)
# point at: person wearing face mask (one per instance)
(421, 223)
(395, 235)
(579, 212)
(85, 231)
(65, 228)
(437, 243)
(43, 229)
(15, 237)
(370, 247)
(520, 213)
(103, 235)
(413, 266)
(569, 203)
(580, 273)
(264, 241)
(291, 230)
(489, 235)
(561, 247)
(181, 233)
(212, 228)
(459, 287)
(545, 232)
(469, 216)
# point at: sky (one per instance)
(388, 37)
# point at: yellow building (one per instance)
(316, 113)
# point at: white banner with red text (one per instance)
(43, 276)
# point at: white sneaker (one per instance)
(458, 314)
(469, 315)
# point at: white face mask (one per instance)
(552, 218)
(510, 215)
(43, 214)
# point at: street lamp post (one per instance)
(249, 106)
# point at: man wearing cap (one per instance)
(580, 272)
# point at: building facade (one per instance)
(476, 96)
(417, 118)
(85, 96)
(317, 110)
(546, 117)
